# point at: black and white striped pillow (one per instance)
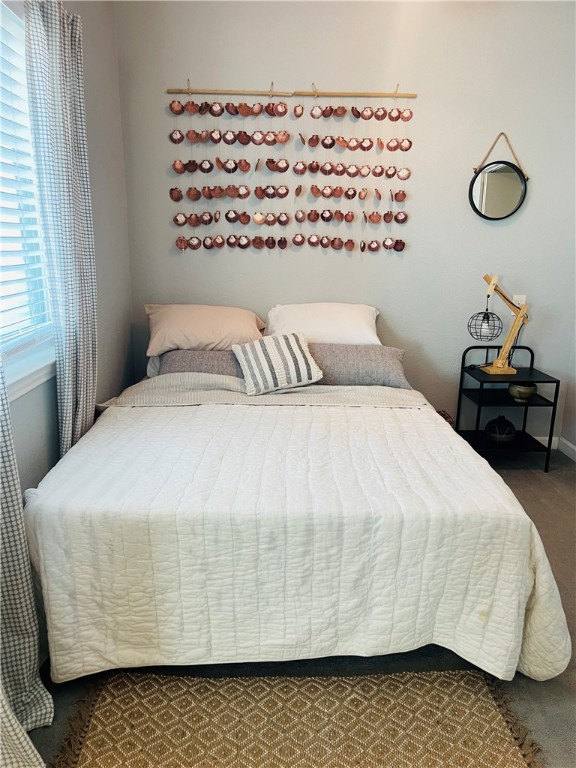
(276, 362)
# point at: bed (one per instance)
(198, 524)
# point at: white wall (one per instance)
(478, 68)
(34, 419)
(568, 438)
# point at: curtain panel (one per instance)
(56, 101)
(16, 749)
(57, 117)
(24, 702)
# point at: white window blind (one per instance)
(24, 308)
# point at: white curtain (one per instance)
(24, 702)
(56, 95)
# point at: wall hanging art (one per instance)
(332, 173)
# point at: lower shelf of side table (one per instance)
(522, 442)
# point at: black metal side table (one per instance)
(486, 390)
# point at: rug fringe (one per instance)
(77, 728)
(528, 746)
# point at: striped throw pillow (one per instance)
(276, 362)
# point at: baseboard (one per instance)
(568, 448)
(544, 441)
(562, 445)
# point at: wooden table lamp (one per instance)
(501, 365)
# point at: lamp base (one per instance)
(493, 368)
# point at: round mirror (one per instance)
(497, 190)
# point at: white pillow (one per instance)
(325, 323)
(153, 367)
(199, 326)
(276, 362)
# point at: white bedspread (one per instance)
(246, 529)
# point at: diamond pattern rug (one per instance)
(405, 720)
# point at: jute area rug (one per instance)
(406, 720)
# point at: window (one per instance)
(24, 307)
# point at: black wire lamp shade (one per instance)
(485, 326)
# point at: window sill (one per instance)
(27, 370)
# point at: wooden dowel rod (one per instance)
(212, 91)
(367, 95)
(271, 94)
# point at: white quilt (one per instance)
(311, 523)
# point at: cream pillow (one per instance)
(325, 323)
(199, 326)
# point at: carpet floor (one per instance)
(449, 719)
